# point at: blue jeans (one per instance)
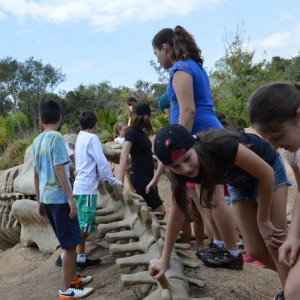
(250, 191)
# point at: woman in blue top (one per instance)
(189, 88)
(192, 106)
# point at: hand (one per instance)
(157, 268)
(288, 251)
(114, 195)
(41, 211)
(152, 184)
(73, 208)
(271, 235)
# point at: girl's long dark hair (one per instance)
(141, 122)
(207, 142)
(182, 43)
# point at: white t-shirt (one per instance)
(293, 158)
(91, 165)
(120, 140)
(70, 153)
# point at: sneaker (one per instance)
(58, 262)
(258, 263)
(75, 293)
(241, 248)
(224, 260)
(89, 263)
(210, 251)
(279, 296)
(81, 281)
(248, 258)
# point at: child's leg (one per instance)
(245, 212)
(210, 226)
(198, 222)
(68, 267)
(81, 247)
(127, 173)
(186, 232)
(223, 217)
(198, 226)
(278, 218)
(292, 286)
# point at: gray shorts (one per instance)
(250, 191)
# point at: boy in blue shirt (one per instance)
(55, 198)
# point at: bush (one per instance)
(14, 153)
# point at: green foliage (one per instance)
(24, 85)
(158, 121)
(16, 123)
(107, 121)
(12, 126)
(14, 153)
(4, 134)
(236, 76)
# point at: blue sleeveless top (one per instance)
(205, 117)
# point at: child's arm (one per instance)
(123, 160)
(104, 170)
(158, 267)
(153, 183)
(37, 192)
(64, 182)
(258, 168)
(289, 250)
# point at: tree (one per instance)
(293, 69)
(236, 75)
(26, 85)
(163, 74)
(10, 84)
(39, 81)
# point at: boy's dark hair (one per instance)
(50, 112)
(87, 119)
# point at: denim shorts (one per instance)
(250, 190)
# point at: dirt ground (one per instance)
(25, 274)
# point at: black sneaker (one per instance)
(210, 251)
(224, 260)
(58, 262)
(89, 263)
(279, 296)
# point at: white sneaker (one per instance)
(75, 293)
(81, 281)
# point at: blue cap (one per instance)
(163, 102)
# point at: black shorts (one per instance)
(66, 230)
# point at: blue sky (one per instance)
(110, 40)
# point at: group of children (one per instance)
(71, 213)
(248, 165)
(255, 176)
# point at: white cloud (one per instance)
(284, 44)
(2, 16)
(104, 15)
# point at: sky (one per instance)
(93, 41)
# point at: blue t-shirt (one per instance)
(48, 150)
(205, 117)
